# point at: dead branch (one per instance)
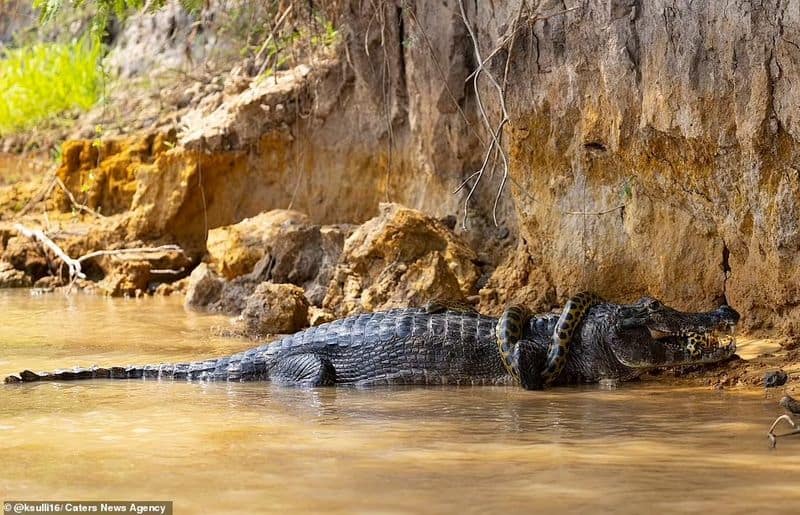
(167, 271)
(74, 265)
(595, 213)
(43, 193)
(48, 190)
(136, 250)
(75, 203)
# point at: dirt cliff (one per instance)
(652, 146)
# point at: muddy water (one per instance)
(245, 448)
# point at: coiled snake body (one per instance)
(512, 321)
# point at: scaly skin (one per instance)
(414, 346)
(512, 322)
(575, 311)
(509, 331)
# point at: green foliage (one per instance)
(283, 51)
(329, 36)
(42, 80)
(277, 50)
(626, 192)
(48, 9)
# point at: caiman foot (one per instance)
(307, 370)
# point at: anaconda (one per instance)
(513, 319)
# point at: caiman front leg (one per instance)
(309, 370)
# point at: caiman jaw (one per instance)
(661, 349)
(698, 345)
(701, 344)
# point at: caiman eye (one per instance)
(653, 305)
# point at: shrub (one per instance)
(42, 80)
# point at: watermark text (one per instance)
(99, 507)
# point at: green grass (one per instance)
(42, 80)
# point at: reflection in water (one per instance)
(254, 447)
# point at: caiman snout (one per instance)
(727, 314)
(720, 338)
(653, 334)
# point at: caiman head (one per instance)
(648, 334)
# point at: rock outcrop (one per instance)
(127, 278)
(204, 288)
(10, 277)
(275, 309)
(235, 249)
(399, 258)
(26, 256)
(653, 146)
(298, 252)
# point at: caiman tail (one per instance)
(246, 366)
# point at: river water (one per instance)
(253, 447)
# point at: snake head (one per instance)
(649, 334)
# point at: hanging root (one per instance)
(496, 134)
(526, 18)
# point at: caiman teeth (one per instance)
(727, 344)
(725, 336)
(658, 335)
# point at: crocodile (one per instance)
(444, 346)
